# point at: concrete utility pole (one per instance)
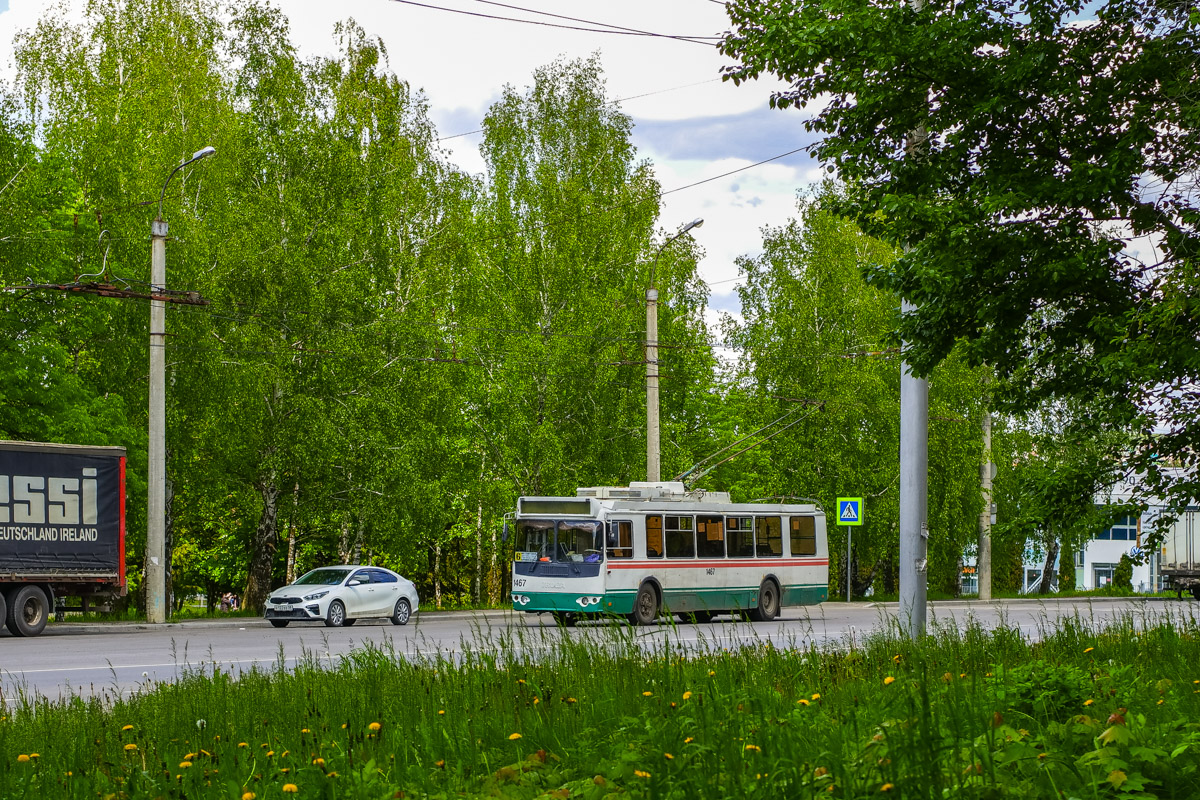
(914, 493)
(914, 468)
(983, 562)
(653, 461)
(156, 473)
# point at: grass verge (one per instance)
(965, 713)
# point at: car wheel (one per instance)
(335, 617)
(768, 602)
(645, 606)
(28, 611)
(349, 622)
(280, 623)
(402, 612)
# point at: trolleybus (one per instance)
(653, 548)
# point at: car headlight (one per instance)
(316, 595)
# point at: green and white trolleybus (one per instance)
(657, 547)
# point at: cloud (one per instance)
(752, 135)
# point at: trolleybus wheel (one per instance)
(697, 616)
(768, 602)
(1196, 592)
(280, 623)
(564, 619)
(645, 606)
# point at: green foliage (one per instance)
(1122, 579)
(819, 362)
(1023, 168)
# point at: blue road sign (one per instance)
(849, 511)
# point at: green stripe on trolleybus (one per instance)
(621, 602)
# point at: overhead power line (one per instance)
(706, 41)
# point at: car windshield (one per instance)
(327, 576)
(563, 541)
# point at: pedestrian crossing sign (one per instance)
(849, 511)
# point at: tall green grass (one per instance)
(612, 711)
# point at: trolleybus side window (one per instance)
(804, 536)
(654, 536)
(769, 537)
(681, 538)
(740, 532)
(620, 539)
(580, 540)
(710, 537)
(538, 537)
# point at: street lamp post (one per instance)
(653, 463)
(156, 472)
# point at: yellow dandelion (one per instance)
(189, 756)
(374, 727)
(887, 787)
(441, 763)
(820, 772)
(1160, 702)
(947, 677)
(647, 694)
(35, 755)
(441, 712)
(711, 673)
(283, 755)
(687, 695)
(962, 674)
(641, 774)
(242, 744)
(816, 696)
(896, 659)
(521, 681)
(668, 757)
(184, 764)
(286, 770)
(129, 748)
(290, 788)
(270, 753)
(512, 737)
(126, 727)
(343, 726)
(249, 796)
(536, 701)
(22, 758)
(1088, 649)
(1088, 702)
(320, 762)
(754, 747)
(802, 702)
(304, 730)
(689, 740)
(889, 680)
(572, 700)
(331, 774)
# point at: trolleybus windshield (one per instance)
(561, 541)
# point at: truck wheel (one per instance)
(3, 606)
(28, 610)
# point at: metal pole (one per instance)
(156, 504)
(914, 489)
(983, 562)
(653, 466)
(849, 538)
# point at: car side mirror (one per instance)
(357, 581)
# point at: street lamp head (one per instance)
(204, 152)
(696, 223)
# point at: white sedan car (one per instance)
(343, 595)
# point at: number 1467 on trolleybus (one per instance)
(656, 547)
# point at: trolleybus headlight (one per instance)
(584, 602)
(523, 599)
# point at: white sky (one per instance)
(698, 129)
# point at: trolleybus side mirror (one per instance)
(504, 533)
(610, 539)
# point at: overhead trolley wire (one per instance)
(606, 27)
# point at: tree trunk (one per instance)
(291, 556)
(437, 575)
(262, 550)
(1048, 569)
(478, 593)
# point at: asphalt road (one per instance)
(117, 659)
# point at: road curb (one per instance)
(64, 628)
